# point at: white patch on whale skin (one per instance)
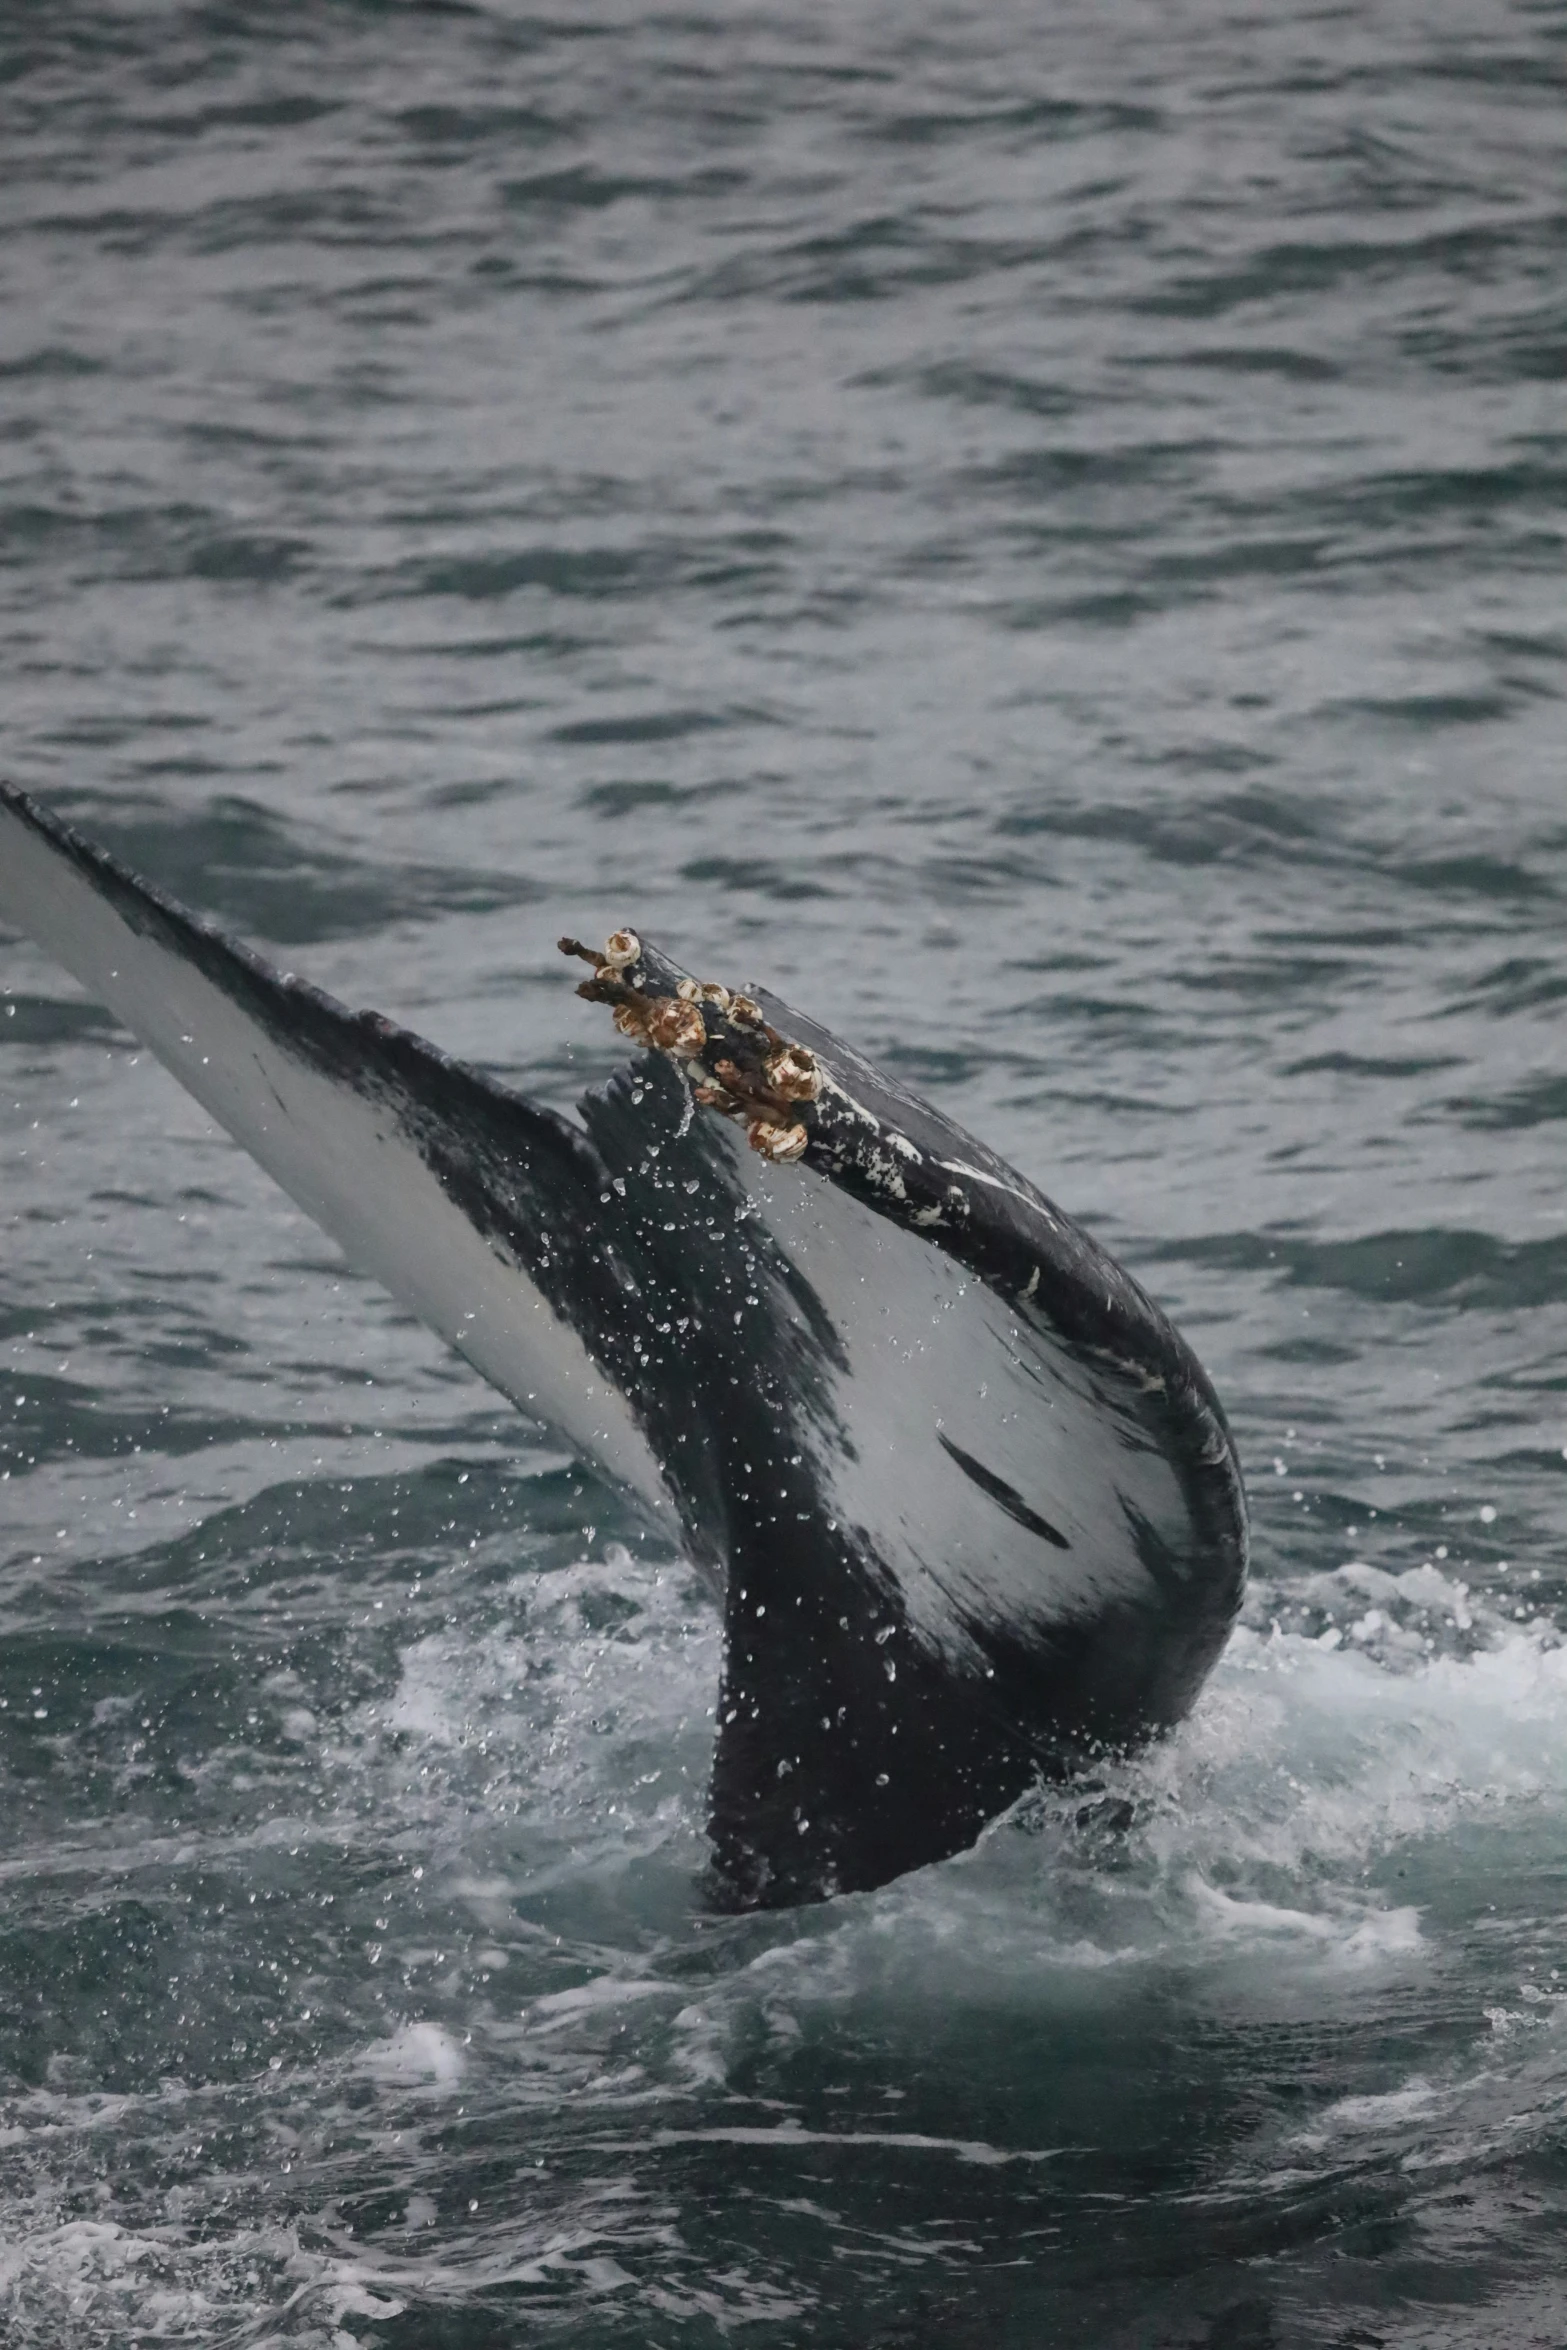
(885, 1176)
(341, 1155)
(931, 1349)
(1151, 1382)
(995, 1183)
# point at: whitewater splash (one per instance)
(527, 1786)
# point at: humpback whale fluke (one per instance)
(968, 1498)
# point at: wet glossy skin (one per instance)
(863, 1380)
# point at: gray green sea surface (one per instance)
(1042, 535)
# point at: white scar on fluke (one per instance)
(968, 1500)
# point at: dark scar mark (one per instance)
(1003, 1494)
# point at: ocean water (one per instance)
(1041, 534)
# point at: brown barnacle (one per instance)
(772, 1141)
(622, 948)
(688, 991)
(714, 1097)
(711, 992)
(630, 1017)
(792, 1074)
(675, 1027)
(745, 1013)
(574, 946)
(743, 1086)
(599, 990)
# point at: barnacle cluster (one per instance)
(748, 1071)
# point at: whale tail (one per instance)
(969, 1498)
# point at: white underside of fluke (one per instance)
(933, 1355)
(342, 1155)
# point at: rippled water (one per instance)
(1040, 534)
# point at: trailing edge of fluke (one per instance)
(967, 1498)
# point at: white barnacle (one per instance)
(792, 1074)
(772, 1141)
(622, 948)
(675, 1026)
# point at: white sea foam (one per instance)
(416, 2055)
(1258, 1871)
